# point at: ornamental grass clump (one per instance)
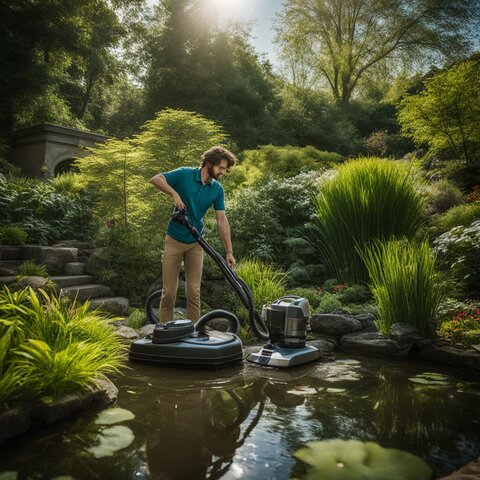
(266, 282)
(369, 200)
(405, 284)
(51, 346)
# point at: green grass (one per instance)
(51, 346)
(266, 282)
(405, 285)
(369, 200)
(31, 268)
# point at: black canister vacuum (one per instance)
(183, 343)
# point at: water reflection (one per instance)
(245, 422)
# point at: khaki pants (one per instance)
(192, 256)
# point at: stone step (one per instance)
(62, 281)
(114, 305)
(74, 268)
(86, 292)
(8, 252)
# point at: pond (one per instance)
(246, 422)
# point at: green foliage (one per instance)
(445, 116)
(329, 303)
(68, 184)
(460, 215)
(283, 162)
(176, 138)
(369, 200)
(354, 294)
(441, 196)
(464, 327)
(137, 318)
(45, 214)
(12, 235)
(269, 220)
(405, 284)
(52, 346)
(458, 252)
(266, 282)
(353, 460)
(313, 295)
(134, 258)
(31, 268)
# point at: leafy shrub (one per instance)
(283, 162)
(313, 295)
(460, 215)
(31, 268)
(266, 282)
(133, 259)
(68, 184)
(51, 346)
(464, 327)
(43, 213)
(329, 303)
(354, 294)
(136, 318)
(474, 195)
(369, 200)
(270, 221)
(441, 196)
(12, 235)
(458, 252)
(404, 284)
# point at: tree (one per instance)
(446, 115)
(193, 64)
(343, 40)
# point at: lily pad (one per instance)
(303, 391)
(114, 415)
(112, 440)
(335, 390)
(353, 459)
(426, 381)
(8, 475)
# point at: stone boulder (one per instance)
(53, 257)
(326, 348)
(74, 268)
(457, 356)
(8, 271)
(334, 324)
(371, 343)
(33, 282)
(146, 330)
(127, 333)
(113, 305)
(403, 333)
(368, 322)
(7, 280)
(8, 252)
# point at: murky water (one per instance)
(245, 422)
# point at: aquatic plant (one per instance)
(405, 284)
(51, 346)
(369, 200)
(353, 459)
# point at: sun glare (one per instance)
(228, 9)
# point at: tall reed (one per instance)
(405, 284)
(370, 199)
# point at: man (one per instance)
(196, 190)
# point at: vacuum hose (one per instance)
(258, 326)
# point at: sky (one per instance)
(261, 12)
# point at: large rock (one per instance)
(38, 414)
(403, 333)
(113, 305)
(8, 252)
(334, 324)
(371, 343)
(74, 268)
(7, 280)
(146, 330)
(368, 322)
(326, 348)
(97, 261)
(126, 333)
(33, 282)
(447, 354)
(53, 257)
(468, 472)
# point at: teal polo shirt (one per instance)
(196, 196)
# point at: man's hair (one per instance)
(216, 154)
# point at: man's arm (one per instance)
(224, 231)
(160, 182)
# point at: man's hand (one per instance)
(230, 260)
(178, 202)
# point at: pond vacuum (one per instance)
(183, 343)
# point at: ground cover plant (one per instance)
(50, 346)
(464, 327)
(368, 200)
